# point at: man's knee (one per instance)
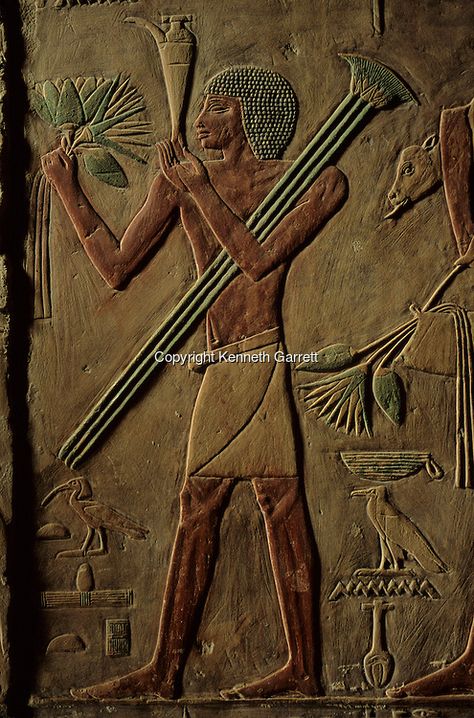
(277, 497)
(201, 499)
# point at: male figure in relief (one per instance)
(243, 423)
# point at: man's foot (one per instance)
(283, 681)
(458, 677)
(143, 682)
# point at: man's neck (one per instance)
(239, 156)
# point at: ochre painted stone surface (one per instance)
(339, 547)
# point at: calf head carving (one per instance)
(418, 173)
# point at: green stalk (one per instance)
(394, 339)
(386, 88)
(201, 296)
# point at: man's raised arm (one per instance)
(308, 216)
(115, 260)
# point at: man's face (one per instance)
(219, 124)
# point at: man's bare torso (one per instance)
(246, 307)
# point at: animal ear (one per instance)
(430, 142)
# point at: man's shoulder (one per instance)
(333, 174)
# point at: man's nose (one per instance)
(198, 122)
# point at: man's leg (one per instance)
(457, 677)
(203, 502)
(291, 553)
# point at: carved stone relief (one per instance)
(248, 358)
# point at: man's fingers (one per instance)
(162, 156)
(170, 152)
(48, 161)
(178, 148)
(65, 159)
(165, 159)
(169, 171)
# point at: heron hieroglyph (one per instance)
(97, 517)
(399, 537)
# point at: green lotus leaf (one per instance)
(69, 108)
(102, 165)
(93, 102)
(106, 100)
(331, 358)
(51, 96)
(387, 388)
(39, 105)
(90, 84)
(121, 96)
(111, 144)
(101, 127)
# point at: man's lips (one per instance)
(201, 134)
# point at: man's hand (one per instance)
(467, 257)
(183, 169)
(59, 168)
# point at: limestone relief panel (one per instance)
(250, 356)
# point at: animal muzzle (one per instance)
(397, 204)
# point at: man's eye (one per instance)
(217, 108)
(408, 169)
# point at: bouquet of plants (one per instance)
(357, 379)
(96, 119)
(343, 398)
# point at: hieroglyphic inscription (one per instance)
(98, 518)
(360, 586)
(117, 637)
(102, 598)
(85, 578)
(378, 662)
(384, 466)
(400, 540)
(66, 643)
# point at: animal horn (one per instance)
(430, 142)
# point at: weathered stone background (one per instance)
(5, 432)
(352, 284)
